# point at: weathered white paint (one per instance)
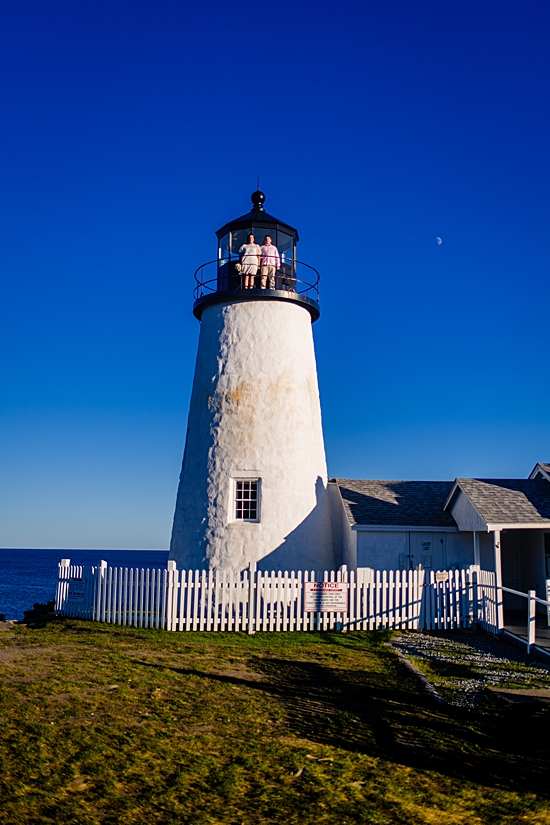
(255, 413)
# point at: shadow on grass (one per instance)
(385, 714)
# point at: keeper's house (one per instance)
(501, 524)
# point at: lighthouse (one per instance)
(253, 484)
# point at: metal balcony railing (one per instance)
(223, 275)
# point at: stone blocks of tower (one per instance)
(254, 415)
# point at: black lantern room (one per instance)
(222, 279)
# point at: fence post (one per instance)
(531, 619)
(251, 600)
(171, 567)
(342, 625)
(62, 585)
(100, 601)
(474, 584)
(420, 596)
(498, 581)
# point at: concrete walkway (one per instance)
(517, 626)
(542, 637)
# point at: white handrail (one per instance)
(532, 600)
(525, 595)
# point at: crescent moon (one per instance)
(439, 241)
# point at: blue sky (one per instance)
(131, 131)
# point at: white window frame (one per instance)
(233, 504)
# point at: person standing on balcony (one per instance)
(269, 262)
(250, 253)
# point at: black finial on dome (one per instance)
(258, 199)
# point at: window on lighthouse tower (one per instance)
(247, 499)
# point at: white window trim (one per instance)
(233, 499)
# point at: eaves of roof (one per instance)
(506, 503)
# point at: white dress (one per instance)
(249, 253)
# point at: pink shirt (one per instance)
(270, 256)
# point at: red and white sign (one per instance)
(326, 597)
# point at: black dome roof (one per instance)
(259, 217)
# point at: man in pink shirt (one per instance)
(269, 263)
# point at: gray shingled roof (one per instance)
(509, 500)
(399, 503)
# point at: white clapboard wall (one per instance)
(256, 600)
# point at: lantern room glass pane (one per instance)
(260, 233)
(285, 245)
(238, 238)
(223, 249)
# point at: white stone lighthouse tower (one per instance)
(253, 486)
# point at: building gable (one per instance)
(540, 470)
(500, 503)
(465, 514)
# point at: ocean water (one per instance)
(29, 576)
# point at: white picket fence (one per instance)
(256, 600)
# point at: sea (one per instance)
(30, 576)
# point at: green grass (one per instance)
(101, 724)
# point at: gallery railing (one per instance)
(225, 274)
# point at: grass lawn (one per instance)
(101, 724)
